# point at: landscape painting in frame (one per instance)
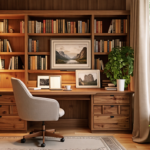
(70, 54)
(87, 79)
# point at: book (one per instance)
(0, 63)
(10, 50)
(34, 88)
(95, 26)
(111, 88)
(105, 46)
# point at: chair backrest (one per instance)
(22, 96)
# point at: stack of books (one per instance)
(98, 26)
(15, 63)
(99, 64)
(107, 46)
(37, 62)
(58, 26)
(118, 26)
(5, 46)
(4, 26)
(33, 45)
(21, 26)
(111, 87)
(104, 83)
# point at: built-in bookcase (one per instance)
(19, 41)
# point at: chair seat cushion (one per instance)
(61, 112)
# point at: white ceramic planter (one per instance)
(120, 84)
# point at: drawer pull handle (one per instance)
(0, 116)
(111, 116)
(111, 95)
(112, 105)
(0, 105)
(0, 95)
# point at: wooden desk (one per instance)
(97, 109)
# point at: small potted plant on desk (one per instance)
(120, 66)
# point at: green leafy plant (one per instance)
(120, 64)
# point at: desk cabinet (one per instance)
(9, 119)
(111, 112)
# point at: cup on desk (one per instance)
(67, 87)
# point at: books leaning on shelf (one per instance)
(37, 62)
(98, 26)
(33, 45)
(34, 88)
(118, 26)
(58, 26)
(4, 26)
(107, 46)
(15, 63)
(5, 46)
(99, 64)
(21, 26)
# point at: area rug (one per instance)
(71, 143)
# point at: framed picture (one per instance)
(87, 79)
(3, 63)
(43, 82)
(55, 82)
(70, 54)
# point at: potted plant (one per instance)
(120, 66)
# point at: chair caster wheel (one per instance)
(43, 145)
(23, 140)
(31, 132)
(62, 140)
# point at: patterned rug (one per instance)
(71, 143)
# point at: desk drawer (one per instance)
(110, 109)
(7, 99)
(13, 110)
(124, 110)
(4, 110)
(113, 99)
(111, 119)
(11, 123)
(111, 126)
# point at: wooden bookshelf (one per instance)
(19, 41)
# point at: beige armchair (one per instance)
(32, 108)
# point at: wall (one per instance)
(62, 4)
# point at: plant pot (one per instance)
(120, 84)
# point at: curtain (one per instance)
(139, 41)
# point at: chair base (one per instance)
(49, 133)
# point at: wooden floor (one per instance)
(124, 139)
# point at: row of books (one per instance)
(5, 46)
(98, 26)
(4, 26)
(58, 26)
(37, 62)
(15, 63)
(99, 64)
(33, 45)
(118, 26)
(21, 26)
(107, 46)
(104, 83)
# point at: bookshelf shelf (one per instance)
(12, 34)
(59, 34)
(12, 53)
(50, 71)
(5, 70)
(110, 34)
(101, 53)
(38, 53)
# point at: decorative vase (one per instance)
(120, 84)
